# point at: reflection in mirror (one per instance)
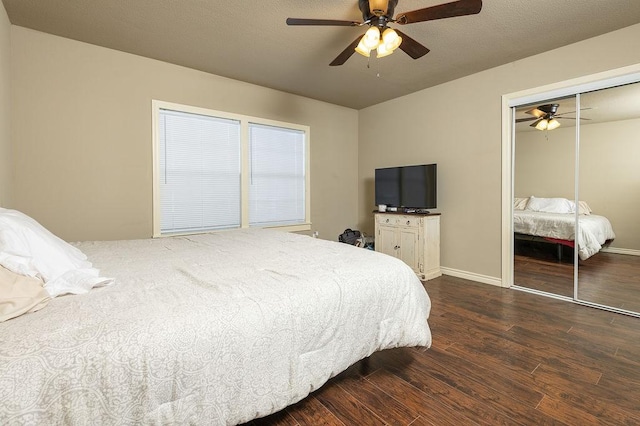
(544, 191)
(609, 182)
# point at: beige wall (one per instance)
(544, 163)
(82, 136)
(610, 176)
(6, 174)
(458, 125)
(609, 171)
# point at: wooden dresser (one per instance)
(413, 238)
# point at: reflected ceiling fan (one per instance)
(378, 14)
(546, 117)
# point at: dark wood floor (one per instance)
(499, 356)
(605, 278)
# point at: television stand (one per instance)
(411, 237)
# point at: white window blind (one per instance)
(199, 161)
(277, 175)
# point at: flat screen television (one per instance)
(410, 187)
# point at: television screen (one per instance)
(387, 186)
(418, 186)
(412, 187)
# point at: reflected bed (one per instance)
(559, 228)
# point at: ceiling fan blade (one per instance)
(326, 22)
(346, 53)
(520, 120)
(447, 10)
(536, 113)
(411, 47)
(571, 112)
(571, 118)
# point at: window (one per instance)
(215, 170)
(277, 180)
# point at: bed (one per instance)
(554, 225)
(207, 329)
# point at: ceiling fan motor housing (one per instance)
(368, 12)
(550, 109)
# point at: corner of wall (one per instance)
(6, 156)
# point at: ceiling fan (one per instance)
(378, 14)
(546, 117)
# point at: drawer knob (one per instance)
(408, 222)
(387, 220)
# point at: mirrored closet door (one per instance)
(576, 184)
(544, 177)
(609, 181)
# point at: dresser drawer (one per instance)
(408, 221)
(398, 220)
(387, 219)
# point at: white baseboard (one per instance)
(471, 276)
(616, 250)
(485, 279)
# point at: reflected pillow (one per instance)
(583, 208)
(28, 249)
(551, 205)
(520, 203)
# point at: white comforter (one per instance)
(210, 329)
(594, 230)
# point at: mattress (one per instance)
(210, 329)
(593, 230)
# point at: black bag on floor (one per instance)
(349, 236)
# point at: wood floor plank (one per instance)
(419, 421)
(281, 418)
(429, 409)
(375, 398)
(499, 396)
(450, 364)
(567, 413)
(612, 334)
(310, 412)
(604, 402)
(607, 278)
(557, 354)
(480, 340)
(469, 406)
(346, 407)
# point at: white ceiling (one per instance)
(248, 40)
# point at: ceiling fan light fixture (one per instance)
(383, 51)
(362, 49)
(553, 124)
(542, 124)
(391, 39)
(371, 38)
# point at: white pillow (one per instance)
(551, 205)
(583, 208)
(520, 203)
(28, 249)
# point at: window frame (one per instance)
(245, 120)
